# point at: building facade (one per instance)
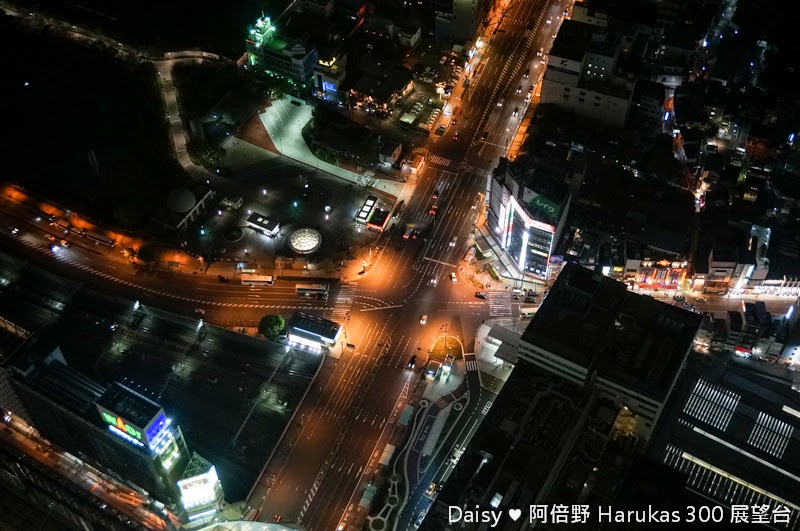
(527, 213)
(581, 74)
(631, 348)
(277, 55)
(457, 21)
(116, 427)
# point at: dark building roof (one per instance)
(55, 380)
(595, 322)
(644, 88)
(305, 322)
(736, 421)
(573, 40)
(129, 405)
(260, 220)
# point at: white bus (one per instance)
(526, 311)
(312, 289)
(257, 280)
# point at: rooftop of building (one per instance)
(539, 174)
(630, 339)
(573, 39)
(379, 79)
(129, 404)
(630, 11)
(644, 88)
(520, 438)
(54, 379)
(311, 28)
(262, 221)
(739, 422)
(305, 322)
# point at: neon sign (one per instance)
(121, 425)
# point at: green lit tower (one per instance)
(279, 55)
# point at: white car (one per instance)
(423, 319)
(702, 299)
(453, 277)
(453, 241)
(200, 311)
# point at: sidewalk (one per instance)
(485, 350)
(284, 122)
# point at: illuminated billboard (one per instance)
(121, 425)
(201, 495)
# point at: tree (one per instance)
(271, 325)
(211, 157)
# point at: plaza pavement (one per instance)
(284, 121)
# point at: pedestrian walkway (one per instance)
(344, 301)
(478, 171)
(284, 121)
(471, 364)
(499, 303)
(442, 161)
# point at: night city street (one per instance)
(333, 265)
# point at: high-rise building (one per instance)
(44, 487)
(457, 21)
(528, 208)
(115, 427)
(591, 330)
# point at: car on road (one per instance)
(447, 366)
(453, 277)
(434, 209)
(481, 295)
(678, 298)
(516, 111)
(540, 52)
(54, 248)
(453, 241)
(435, 195)
(223, 279)
(549, 20)
(456, 136)
(431, 488)
(527, 73)
(485, 135)
(200, 311)
(13, 230)
(702, 299)
(530, 300)
(412, 361)
(65, 243)
(536, 294)
(500, 102)
(420, 518)
(414, 234)
(519, 89)
(50, 237)
(407, 233)
(439, 487)
(423, 319)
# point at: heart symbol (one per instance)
(515, 514)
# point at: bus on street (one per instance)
(257, 280)
(312, 289)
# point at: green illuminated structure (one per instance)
(278, 55)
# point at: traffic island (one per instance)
(446, 346)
